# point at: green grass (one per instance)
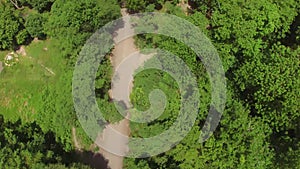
(3, 54)
(21, 84)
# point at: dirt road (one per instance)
(125, 60)
(108, 137)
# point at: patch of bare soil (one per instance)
(115, 136)
(109, 137)
(184, 6)
(114, 142)
(76, 142)
(21, 51)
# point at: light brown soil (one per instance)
(115, 142)
(21, 51)
(76, 142)
(120, 52)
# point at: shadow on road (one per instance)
(94, 160)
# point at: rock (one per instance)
(9, 57)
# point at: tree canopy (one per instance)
(258, 42)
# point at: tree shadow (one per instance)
(93, 160)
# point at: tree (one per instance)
(74, 21)
(240, 142)
(24, 145)
(16, 4)
(10, 26)
(270, 84)
(40, 5)
(22, 36)
(261, 121)
(35, 25)
(135, 5)
(57, 113)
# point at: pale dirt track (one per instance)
(110, 137)
(107, 137)
(120, 52)
(76, 143)
(126, 54)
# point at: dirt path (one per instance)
(125, 52)
(125, 60)
(76, 143)
(108, 137)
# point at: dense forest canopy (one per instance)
(257, 41)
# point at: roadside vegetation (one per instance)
(46, 37)
(258, 42)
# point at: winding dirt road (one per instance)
(114, 137)
(125, 60)
(109, 137)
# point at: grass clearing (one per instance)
(19, 84)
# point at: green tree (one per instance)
(22, 36)
(10, 26)
(57, 113)
(24, 145)
(35, 25)
(270, 84)
(74, 21)
(135, 5)
(40, 5)
(240, 142)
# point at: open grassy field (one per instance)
(21, 83)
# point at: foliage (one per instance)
(24, 145)
(39, 5)
(287, 149)
(35, 25)
(135, 6)
(271, 84)
(74, 21)
(258, 42)
(10, 26)
(56, 112)
(240, 142)
(263, 83)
